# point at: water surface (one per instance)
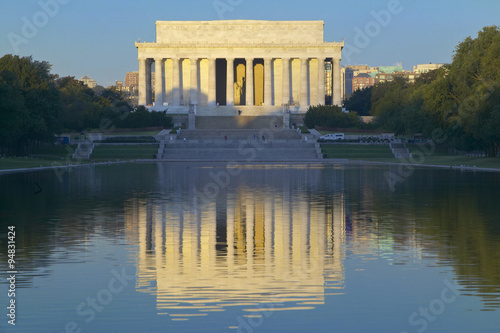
(259, 248)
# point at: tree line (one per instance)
(36, 105)
(331, 116)
(461, 98)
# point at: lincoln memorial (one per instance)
(220, 67)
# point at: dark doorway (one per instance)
(221, 81)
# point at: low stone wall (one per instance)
(180, 120)
(297, 119)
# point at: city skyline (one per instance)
(97, 39)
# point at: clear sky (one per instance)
(96, 37)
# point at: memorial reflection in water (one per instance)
(332, 242)
(246, 247)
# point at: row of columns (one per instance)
(145, 78)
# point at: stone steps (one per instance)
(210, 145)
(400, 150)
(83, 151)
(200, 144)
(239, 122)
(245, 134)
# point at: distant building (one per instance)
(362, 81)
(365, 76)
(347, 81)
(88, 81)
(358, 69)
(132, 82)
(119, 86)
(357, 81)
(388, 73)
(424, 68)
(390, 69)
(361, 68)
(388, 77)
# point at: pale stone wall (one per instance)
(168, 80)
(295, 81)
(239, 32)
(278, 82)
(313, 81)
(203, 83)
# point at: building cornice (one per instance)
(247, 45)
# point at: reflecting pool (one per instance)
(256, 248)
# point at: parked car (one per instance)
(333, 136)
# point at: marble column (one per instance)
(337, 91)
(321, 81)
(149, 91)
(286, 81)
(249, 81)
(193, 92)
(211, 81)
(142, 82)
(159, 70)
(230, 82)
(303, 81)
(176, 86)
(267, 82)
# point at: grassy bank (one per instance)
(61, 155)
(382, 153)
(55, 151)
(439, 156)
(358, 152)
(45, 156)
(468, 161)
(8, 163)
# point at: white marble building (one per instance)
(225, 66)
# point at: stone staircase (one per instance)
(210, 135)
(83, 151)
(239, 122)
(211, 145)
(400, 150)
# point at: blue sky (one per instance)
(96, 38)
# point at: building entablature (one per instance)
(154, 50)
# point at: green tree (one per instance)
(400, 106)
(475, 79)
(360, 101)
(39, 97)
(76, 99)
(330, 116)
(12, 112)
(142, 117)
